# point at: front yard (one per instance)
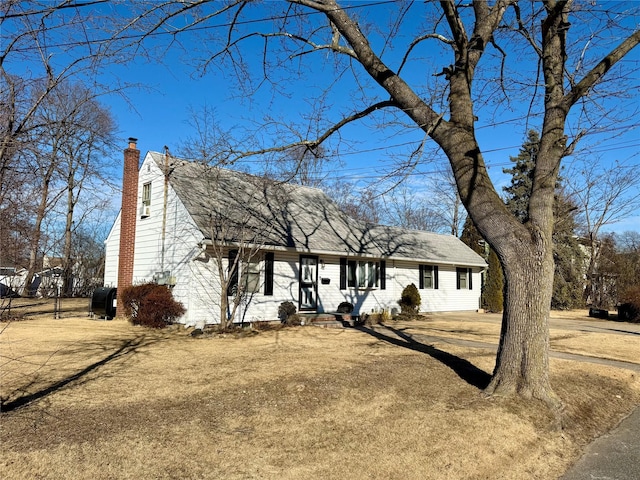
(105, 400)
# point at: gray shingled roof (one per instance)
(238, 207)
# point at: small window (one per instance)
(146, 194)
(464, 279)
(428, 277)
(242, 274)
(251, 277)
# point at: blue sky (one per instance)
(162, 113)
(158, 115)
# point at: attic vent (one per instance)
(145, 211)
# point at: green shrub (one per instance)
(287, 313)
(150, 305)
(345, 307)
(410, 300)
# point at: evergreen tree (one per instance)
(472, 238)
(493, 287)
(568, 278)
(493, 290)
(519, 192)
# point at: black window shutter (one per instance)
(458, 278)
(232, 286)
(421, 277)
(435, 277)
(352, 273)
(343, 274)
(470, 277)
(383, 274)
(268, 273)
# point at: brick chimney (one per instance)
(128, 215)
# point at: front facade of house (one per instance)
(293, 242)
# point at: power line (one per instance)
(139, 36)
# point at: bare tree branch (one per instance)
(312, 144)
(597, 72)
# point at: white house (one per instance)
(298, 246)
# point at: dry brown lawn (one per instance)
(91, 399)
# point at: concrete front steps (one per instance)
(329, 320)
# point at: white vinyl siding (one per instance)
(112, 255)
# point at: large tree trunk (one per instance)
(522, 364)
(526, 255)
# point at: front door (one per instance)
(308, 283)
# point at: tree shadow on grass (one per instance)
(466, 370)
(126, 348)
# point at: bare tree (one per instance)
(604, 195)
(408, 210)
(447, 204)
(32, 32)
(227, 203)
(68, 151)
(43, 54)
(87, 134)
(433, 205)
(360, 203)
(303, 165)
(44, 167)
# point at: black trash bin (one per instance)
(103, 302)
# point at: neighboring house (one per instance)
(11, 281)
(46, 282)
(303, 248)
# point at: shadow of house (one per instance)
(209, 229)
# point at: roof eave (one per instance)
(279, 248)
